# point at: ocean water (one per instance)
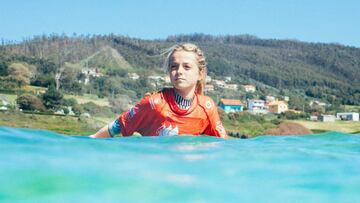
(41, 166)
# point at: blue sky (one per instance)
(329, 21)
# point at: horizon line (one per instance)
(5, 41)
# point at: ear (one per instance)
(201, 74)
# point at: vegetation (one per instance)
(60, 124)
(90, 74)
(329, 72)
(30, 102)
(339, 126)
(248, 124)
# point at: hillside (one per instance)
(330, 72)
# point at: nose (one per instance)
(180, 69)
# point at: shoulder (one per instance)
(154, 99)
(207, 103)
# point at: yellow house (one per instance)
(277, 107)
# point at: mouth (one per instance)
(179, 79)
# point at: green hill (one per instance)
(330, 72)
(106, 58)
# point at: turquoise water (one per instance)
(41, 166)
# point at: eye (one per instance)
(187, 67)
(173, 67)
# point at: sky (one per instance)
(326, 21)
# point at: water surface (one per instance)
(41, 166)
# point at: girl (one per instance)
(181, 110)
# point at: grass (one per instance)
(351, 108)
(251, 128)
(10, 97)
(60, 124)
(89, 98)
(339, 126)
(248, 124)
(104, 119)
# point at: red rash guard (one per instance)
(159, 115)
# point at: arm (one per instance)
(109, 130)
(127, 123)
(215, 127)
(102, 133)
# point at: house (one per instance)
(133, 76)
(277, 107)
(256, 106)
(208, 79)
(227, 79)
(156, 78)
(327, 118)
(313, 118)
(219, 83)
(270, 98)
(350, 116)
(249, 88)
(94, 72)
(231, 105)
(209, 88)
(317, 103)
(231, 86)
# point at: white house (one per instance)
(327, 118)
(133, 76)
(219, 83)
(156, 78)
(227, 79)
(256, 106)
(94, 72)
(350, 116)
(249, 88)
(208, 79)
(209, 88)
(317, 103)
(231, 86)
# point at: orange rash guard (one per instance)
(159, 115)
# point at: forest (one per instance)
(330, 72)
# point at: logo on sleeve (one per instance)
(208, 104)
(132, 113)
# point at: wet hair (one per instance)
(200, 86)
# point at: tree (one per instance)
(120, 104)
(19, 74)
(52, 98)
(30, 102)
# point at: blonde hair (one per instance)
(200, 85)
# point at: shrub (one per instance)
(52, 98)
(30, 102)
(293, 116)
(69, 102)
(97, 110)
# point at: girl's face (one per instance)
(184, 71)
